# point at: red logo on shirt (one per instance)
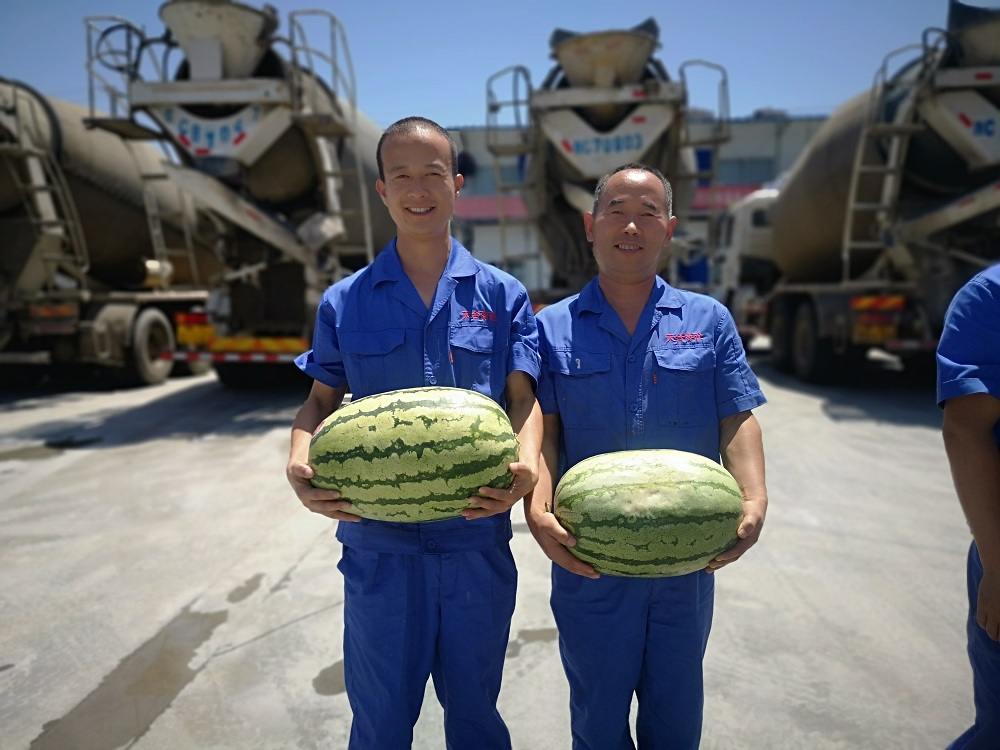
(486, 315)
(678, 338)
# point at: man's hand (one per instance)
(555, 541)
(325, 502)
(492, 500)
(748, 532)
(322, 400)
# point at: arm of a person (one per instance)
(526, 421)
(320, 403)
(975, 468)
(548, 533)
(742, 448)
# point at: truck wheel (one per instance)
(151, 336)
(813, 359)
(190, 368)
(781, 339)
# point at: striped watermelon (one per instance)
(416, 454)
(649, 513)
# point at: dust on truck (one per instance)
(270, 147)
(608, 101)
(891, 207)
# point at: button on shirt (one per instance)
(666, 386)
(374, 334)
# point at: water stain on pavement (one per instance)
(131, 697)
(528, 636)
(51, 447)
(246, 589)
(330, 681)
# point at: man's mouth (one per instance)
(628, 246)
(420, 210)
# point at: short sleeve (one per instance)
(324, 361)
(736, 387)
(968, 353)
(523, 337)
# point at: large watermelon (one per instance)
(416, 454)
(649, 513)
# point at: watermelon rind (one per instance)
(649, 513)
(415, 454)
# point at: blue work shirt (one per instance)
(968, 354)
(665, 386)
(374, 334)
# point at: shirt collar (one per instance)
(592, 299)
(388, 267)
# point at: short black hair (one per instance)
(408, 125)
(668, 191)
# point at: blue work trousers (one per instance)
(410, 616)
(644, 636)
(984, 655)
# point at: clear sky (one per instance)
(433, 58)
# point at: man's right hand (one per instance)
(555, 541)
(325, 502)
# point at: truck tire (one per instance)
(781, 339)
(190, 369)
(812, 357)
(152, 335)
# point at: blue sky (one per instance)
(433, 58)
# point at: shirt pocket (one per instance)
(472, 355)
(684, 386)
(374, 359)
(581, 385)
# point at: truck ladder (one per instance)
(156, 216)
(46, 197)
(877, 129)
(719, 133)
(321, 127)
(511, 145)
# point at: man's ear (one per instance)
(380, 189)
(588, 225)
(671, 226)
(459, 181)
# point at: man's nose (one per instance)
(417, 187)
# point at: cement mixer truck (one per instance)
(890, 208)
(83, 279)
(224, 161)
(608, 101)
(272, 150)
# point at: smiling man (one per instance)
(633, 363)
(428, 599)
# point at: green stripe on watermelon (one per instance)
(649, 512)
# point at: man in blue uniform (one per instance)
(968, 388)
(429, 598)
(631, 363)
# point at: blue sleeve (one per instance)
(968, 354)
(523, 337)
(324, 362)
(736, 386)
